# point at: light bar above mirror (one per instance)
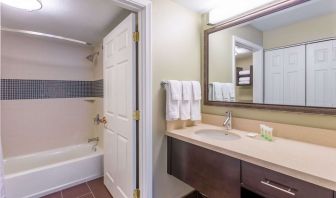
(224, 11)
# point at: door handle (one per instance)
(287, 190)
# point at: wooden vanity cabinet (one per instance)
(213, 174)
(334, 194)
(272, 184)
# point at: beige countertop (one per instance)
(309, 162)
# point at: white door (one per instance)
(274, 77)
(258, 76)
(119, 104)
(294, 76)
(321, 74)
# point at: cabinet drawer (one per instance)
(276, 185)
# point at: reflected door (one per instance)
(321, 74)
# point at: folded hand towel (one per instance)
(244, 79)
(175, 88)
(196, 101)
(173, 100)
(228, 92)
(187, 96)
(244, 72)
(218, 91)
(244, 82)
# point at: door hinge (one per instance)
(136, 115)
(136, 193)
(136, 36)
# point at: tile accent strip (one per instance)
(18, 89)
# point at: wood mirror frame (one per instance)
(254, 14)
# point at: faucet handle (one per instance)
(103, 120)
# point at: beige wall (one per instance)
(220, 51)
(176, 55)
(35, 125)
(313, 29)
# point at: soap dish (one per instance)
(252, 135)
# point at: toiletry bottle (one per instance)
(262, 130)
(270, 137)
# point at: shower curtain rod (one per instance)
(45, 35)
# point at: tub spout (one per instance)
(94, 146)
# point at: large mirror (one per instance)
(285, 58)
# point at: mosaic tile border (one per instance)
(19, 89)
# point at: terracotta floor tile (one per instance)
(87, 196)
(98, 188)
(76, 191)
(54, 195)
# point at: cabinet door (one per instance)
(294, 76)
(321, 74)
(258, 76)
(213, 174)
(274, 77)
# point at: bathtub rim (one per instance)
(98, 152)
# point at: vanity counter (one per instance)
(312, 163)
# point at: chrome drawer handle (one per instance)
(268, 183)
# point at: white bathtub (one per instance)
(42, 173)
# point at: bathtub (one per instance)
(42, 173)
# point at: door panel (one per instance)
(119, 104)
(274, 77)
(321, 70)
(258, 77)
(294, 76)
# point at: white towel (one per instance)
(244, 79)
(228, 92)
(175, 88)
(185, 106)
(217, 91)
(173, 100)
(244, 72)
(244, 82)
(196, 101)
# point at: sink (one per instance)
(217, 134)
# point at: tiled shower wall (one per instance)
(44, 87)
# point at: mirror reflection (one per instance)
(285, 58)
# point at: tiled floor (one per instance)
(91, 189)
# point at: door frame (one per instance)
(143, 8)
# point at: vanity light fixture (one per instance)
(229, 9)
(29, 5)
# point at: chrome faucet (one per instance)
(228, 121)
(94, 146)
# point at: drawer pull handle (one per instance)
(268, 183)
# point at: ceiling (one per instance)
(305, 11)
(85, 20)
(200, 6)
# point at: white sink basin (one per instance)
(217, 134)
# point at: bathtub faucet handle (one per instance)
(95, 139)
(97, 120)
